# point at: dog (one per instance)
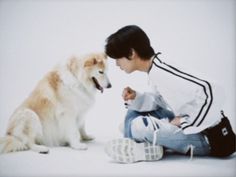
(53, 114)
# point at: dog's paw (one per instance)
(39, 148)
(87, 137)
(44, 152)
(79, 146)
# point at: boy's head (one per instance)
(126, 40)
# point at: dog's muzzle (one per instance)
(97, 85)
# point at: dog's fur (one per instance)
(53, 113)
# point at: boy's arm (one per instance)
(147, 102)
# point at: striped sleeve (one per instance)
(196, 110)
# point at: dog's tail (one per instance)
(11, 144)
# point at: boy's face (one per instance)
(126, 65)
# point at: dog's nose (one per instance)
(109, 85)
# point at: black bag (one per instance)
(221, 138)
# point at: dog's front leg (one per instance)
(83, 133)
(74, 139)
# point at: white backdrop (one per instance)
(36, 35)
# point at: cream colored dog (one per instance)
(53, 114)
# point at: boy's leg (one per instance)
(126, 150)
(160, 113)
(168, 136)
(144, 129)
(130, 116)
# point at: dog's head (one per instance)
(91, 70)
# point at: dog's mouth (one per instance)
(97, 85)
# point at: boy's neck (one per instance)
(144, 65)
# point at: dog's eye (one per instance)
(101, 72)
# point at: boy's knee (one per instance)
(137, 128)
(138, 124)
(141, 128)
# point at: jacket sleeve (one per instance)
(196, 110)
(204, 110)
(193, 105)
(148, 101)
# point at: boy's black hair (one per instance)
(121, 43)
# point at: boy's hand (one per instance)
(128, 94)
(176, 121)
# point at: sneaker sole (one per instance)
(125, 150)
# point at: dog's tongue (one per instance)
(97, 85)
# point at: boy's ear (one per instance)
(133, 54)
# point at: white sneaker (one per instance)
(125, 150)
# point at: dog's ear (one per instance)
(101, 57)
(72, 65)
(104, 55)
(90, 62)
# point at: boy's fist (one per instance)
(128, 94)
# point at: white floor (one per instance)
(63, 161)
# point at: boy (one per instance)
(182, 113)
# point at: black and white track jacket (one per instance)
(197, 101)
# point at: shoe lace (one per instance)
(156, 129)
(153, 120)
(191, 148)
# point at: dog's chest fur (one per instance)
(70, 101)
